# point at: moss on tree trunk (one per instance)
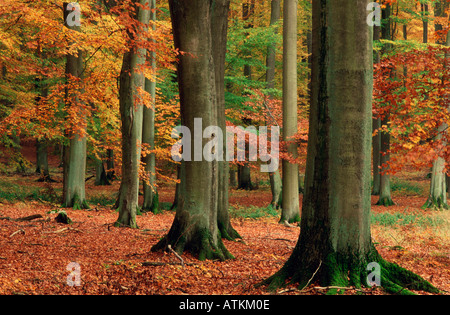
(335, 246)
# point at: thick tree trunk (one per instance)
(151, 197)
(131, 112)
(290, 201)
(195, 225)
(74, 153)
(334, 247)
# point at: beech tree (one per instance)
(438, 190)
(219, 27)
(385, 137)
(335, 246)
(195, 225)
(274, 177)
(75, 152)
(290, 201)
(131, 112)
(151, 199)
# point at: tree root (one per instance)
(385, 201)
(435, 203)
(341, 273)
(200, 244)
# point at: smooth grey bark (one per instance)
(290, 200)
(274, 177)
(131, 112)
(74, 165)
(335, 246)
(195, 225)
(438, 185)
(219, 27)
(151, 197)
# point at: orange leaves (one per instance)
(413, 88)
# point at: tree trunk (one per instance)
(195, 225)
(74, 153)
(100, 174)
(233, 181)
(438, 191)
(42, 144)
(42, 160)
(385, 186)
(376, 125)
(334, 247)
(219, 27)
(290, 201)
(274, 177)
(244, 177)
(110, 174)
(131, 112)
(151, 198)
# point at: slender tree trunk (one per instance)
(425, 14)
(100, 174)
(74, 153)
(110, 174)
(233, 181)
(42, 144)
(151, 198)
(290, 201)
(334, 247)
(195, 225)
(438, 185)
(219, 27)
(385, 186)
(274, 177)
(244, 177)
(376, 140)
(131, 112)
(42, 160)
(244, 171)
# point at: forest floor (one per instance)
(35, 254)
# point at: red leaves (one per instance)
(413, 88)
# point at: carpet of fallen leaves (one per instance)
(35, 254)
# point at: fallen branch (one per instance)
(309, 281)
(176, 254)
(28, 218)
(18, 231)
(159, 263)
(64, 229)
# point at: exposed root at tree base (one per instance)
(386, 201)
(435, 203)
(201, 246)
(337, 273)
